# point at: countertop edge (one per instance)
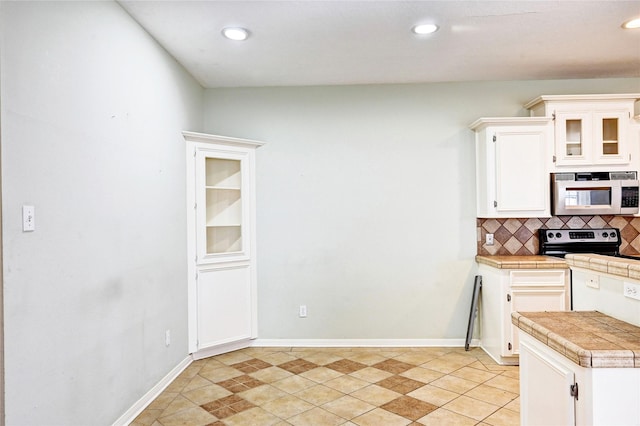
(619, 266)
(523, 262)
(587, 358)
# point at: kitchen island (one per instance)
(578, 368)
(606, 284)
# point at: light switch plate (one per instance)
(28, 218)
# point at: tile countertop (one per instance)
(589, 339)
(524, 262)
(628, 268)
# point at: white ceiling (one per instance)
(366, 42)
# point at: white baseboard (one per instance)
(342, 343)
(148, 397)
(221, 349)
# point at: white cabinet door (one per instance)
(573, 138)
(534, 291)
(513, 159)
(544, 389)
(225, 313)
(494, 312)
(533, 300)
(521, 178)
(611, 137)
(222, 205)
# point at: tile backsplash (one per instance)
(515, 236)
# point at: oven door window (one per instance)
(599, 196)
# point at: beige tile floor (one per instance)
(340, 386)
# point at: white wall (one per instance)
(366, 201)
(92, 110)
(354, 186)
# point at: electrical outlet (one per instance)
(489, 240)
(167, 337)
(632, 290)
(302, 313)
(593, 281)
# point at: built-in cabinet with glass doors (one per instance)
(221, 243)
(591, 130)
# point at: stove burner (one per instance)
(559, 242)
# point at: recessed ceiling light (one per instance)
(425, 29)
(634, 23)
(235, 33)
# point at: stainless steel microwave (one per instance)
(594, 193)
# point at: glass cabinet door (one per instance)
(223, 205)
(572, 138)
(592, 138)
(609, 133)
(220, 205)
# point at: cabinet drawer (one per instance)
(553, 277)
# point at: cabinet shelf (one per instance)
(610, 147)
(223, 210)
(224, 239)
(220, 224)
(222, 188)
(222, 172)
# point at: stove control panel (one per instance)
(603, 235)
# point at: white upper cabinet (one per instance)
(512, 166)
(591, 130)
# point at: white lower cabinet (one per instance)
(509, 290)
(545, 398)
(548, 396)
(225, 307)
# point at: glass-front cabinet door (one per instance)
(610, 131)
(223, 205)
(592, 137)
(573, 136)
(220, 205)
